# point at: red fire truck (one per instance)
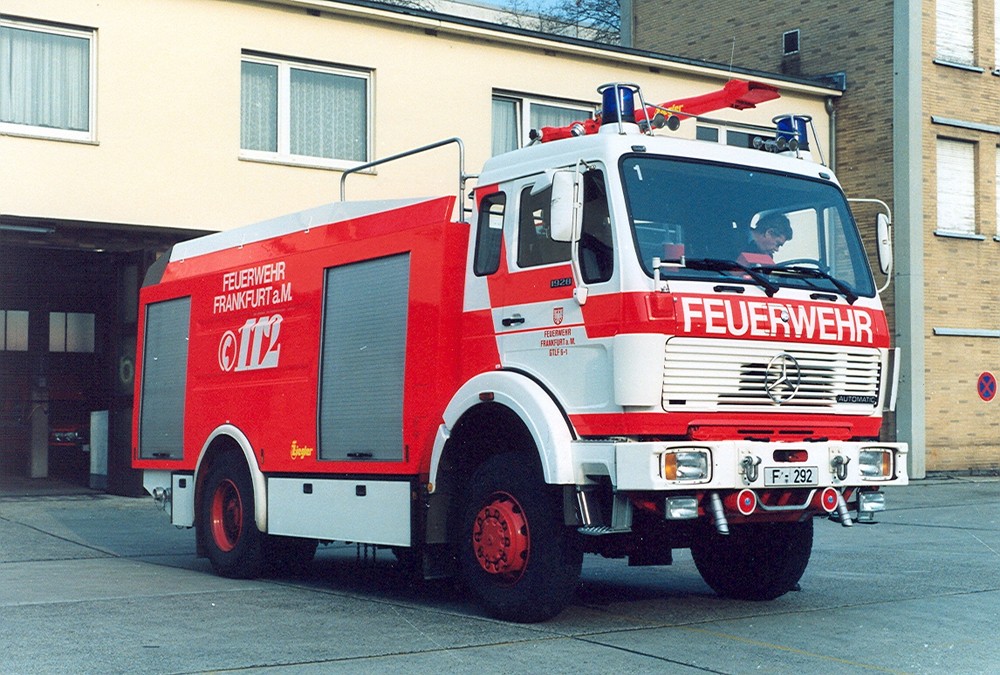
(604, 359)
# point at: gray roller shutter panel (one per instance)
(363, 359)
(164, 379)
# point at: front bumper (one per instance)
(734, 465)
(740, 479)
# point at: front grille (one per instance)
(701, 374)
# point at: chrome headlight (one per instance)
(686, 465)
(876, 464)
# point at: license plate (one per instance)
(799, 475)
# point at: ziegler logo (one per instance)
(301, 451)
(253, 347)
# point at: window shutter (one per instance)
(996, 34)
(997, 196)
(955, 31)
(956, 187)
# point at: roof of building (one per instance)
(438, 20)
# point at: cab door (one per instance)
(540, 326)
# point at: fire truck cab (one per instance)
(638, 344)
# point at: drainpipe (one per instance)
(625, 25)
(831, 113)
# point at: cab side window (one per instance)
(489, 234)
(597, 259)
(534, 244)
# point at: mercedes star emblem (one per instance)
(782, 378)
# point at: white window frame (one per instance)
(784, 42)
(956, 188)
(283, 155)
(52, 133)
(523, 104)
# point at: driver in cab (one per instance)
(770, 234)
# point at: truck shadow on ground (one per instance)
(380, 576)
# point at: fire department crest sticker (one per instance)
(557, 315)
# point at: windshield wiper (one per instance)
(845, 289)
(722, 265)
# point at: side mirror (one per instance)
(564, 210)
(883, 233)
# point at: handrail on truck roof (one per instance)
(462, 176)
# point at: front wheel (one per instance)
(754, 562)
(516, 555)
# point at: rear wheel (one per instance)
(516, 555)
(234, 544)
(754, 562)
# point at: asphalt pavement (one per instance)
(96, 583)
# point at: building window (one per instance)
(509, 112)
(955, 42)
(739, 139)
(997, 193)
(956, 187)
(71, 332)
(996, 37)
(13, 330)
(304, 113)
(710, 134)
(46, 81)
(742, 139)
(790, 42)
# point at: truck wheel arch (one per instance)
(227, 438)
(542, 417)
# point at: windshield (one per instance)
(745, 226)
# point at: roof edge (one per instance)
(456, 25)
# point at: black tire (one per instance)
(234, 545)
(516, 556)
(754, 562)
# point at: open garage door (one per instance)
(68, 303)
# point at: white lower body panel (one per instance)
(364, 511)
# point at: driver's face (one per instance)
(772, 241)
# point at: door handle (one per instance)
(515, 320)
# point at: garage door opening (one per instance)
(68, 310)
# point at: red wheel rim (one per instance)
(500, 537)
(227, 515)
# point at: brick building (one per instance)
(918, 126)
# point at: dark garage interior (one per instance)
(68, 304)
